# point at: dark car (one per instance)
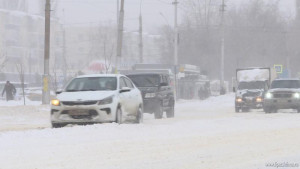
(249, 95)
(157, 93)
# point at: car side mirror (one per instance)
(125, 89)
(59, 91)
(233, 89)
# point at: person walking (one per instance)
(10, 91)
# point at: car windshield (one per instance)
(145, 80)
(251, 85)
(290, 84)
(92, 84)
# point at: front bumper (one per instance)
(96, 114)
(282, 103)
(151, 104)
(249, 103)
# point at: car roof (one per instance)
(260, 80)
(100, 75)
(146, 74)
(283, 79)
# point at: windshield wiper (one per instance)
(89, 90)
(72, 90)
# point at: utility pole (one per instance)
(222, 86)
(64, 51)
(288, 68)
(175, 3)
(120, 35)
(64, 56)
(141, 52)
(46, 76)
(118, 11)
(118, 16)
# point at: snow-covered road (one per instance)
(204, 134)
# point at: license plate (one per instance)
(78, 112)
(249, 98)
(282, 101)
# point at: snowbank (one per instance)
(19, 102)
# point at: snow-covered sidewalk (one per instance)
(15, 116)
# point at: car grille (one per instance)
(251, 94)
(282, 95)
(89, 115)
(79, 103)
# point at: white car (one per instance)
(283, 94)
(97, 99)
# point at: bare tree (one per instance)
(3, 61)
(20, 69)
(254, 35)
(108, 58)
(54, 80)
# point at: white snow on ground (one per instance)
(15, 116)
(18, 103)
(204, 134)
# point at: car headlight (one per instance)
(150, 95)
(239, 100)
(296, 95)
(107, 100)
(268, 95)
(259, 100)
(55, 102)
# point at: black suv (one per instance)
(157, 93)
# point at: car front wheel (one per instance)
(245, 110)
(119, 116)
(158, 114)
(140, 116)
(267, 110)
(170, 112)
(58, 125)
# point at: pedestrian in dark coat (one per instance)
(10, 91)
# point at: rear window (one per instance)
(290, 84)
(145, 80)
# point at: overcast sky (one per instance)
(155, 12)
